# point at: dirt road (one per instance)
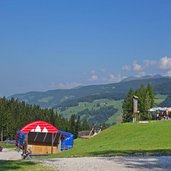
(111, 164)
(10, 154)
(162, 163)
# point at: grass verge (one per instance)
(5, 145)
(9, 165)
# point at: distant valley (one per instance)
(98, 103)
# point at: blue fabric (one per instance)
(20, 138)
(67, 141)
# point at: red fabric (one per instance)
(41, 125)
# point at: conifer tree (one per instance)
(85, 125)
(77, 126)
(128, 107)
(145, 102)
(72, 125)
(151, 94)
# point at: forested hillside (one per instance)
(14, 115)
(166, 102)
(97, 103)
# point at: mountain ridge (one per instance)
(97, 103)
(115, 91)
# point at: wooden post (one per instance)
(135, 108)
(45, 137)
(52, 144)
(59, 143)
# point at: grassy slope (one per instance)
(126, 139)
(117, 117)
(159, 99)
(93, 106)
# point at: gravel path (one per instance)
(99, 163)
(111, 164)
(9, 154)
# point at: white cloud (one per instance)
(115, 78)
(140, 67)
(165, 63)
(137, 67)
(112, 77)
(168, 73)
(94, 77)
(147, 66)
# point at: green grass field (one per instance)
(9, 165)
(152, 138)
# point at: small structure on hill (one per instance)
(40, 137)
(89, 133)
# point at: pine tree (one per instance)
(128, 107)
(72, 125)
(141, 93)
(147, 103)
(151, 94)
(77, 126)
(145, 100)
(103, 126)
(3, 118)
(85, 125)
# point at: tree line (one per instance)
(14, 115)
(145, 101)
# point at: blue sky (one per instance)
(55, 44)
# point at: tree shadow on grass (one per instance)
(6, 165)
(131, 153)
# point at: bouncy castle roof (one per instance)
(39, 126)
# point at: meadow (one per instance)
(126, 139)
(100, 103)
(96, 105)
(153, 138)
